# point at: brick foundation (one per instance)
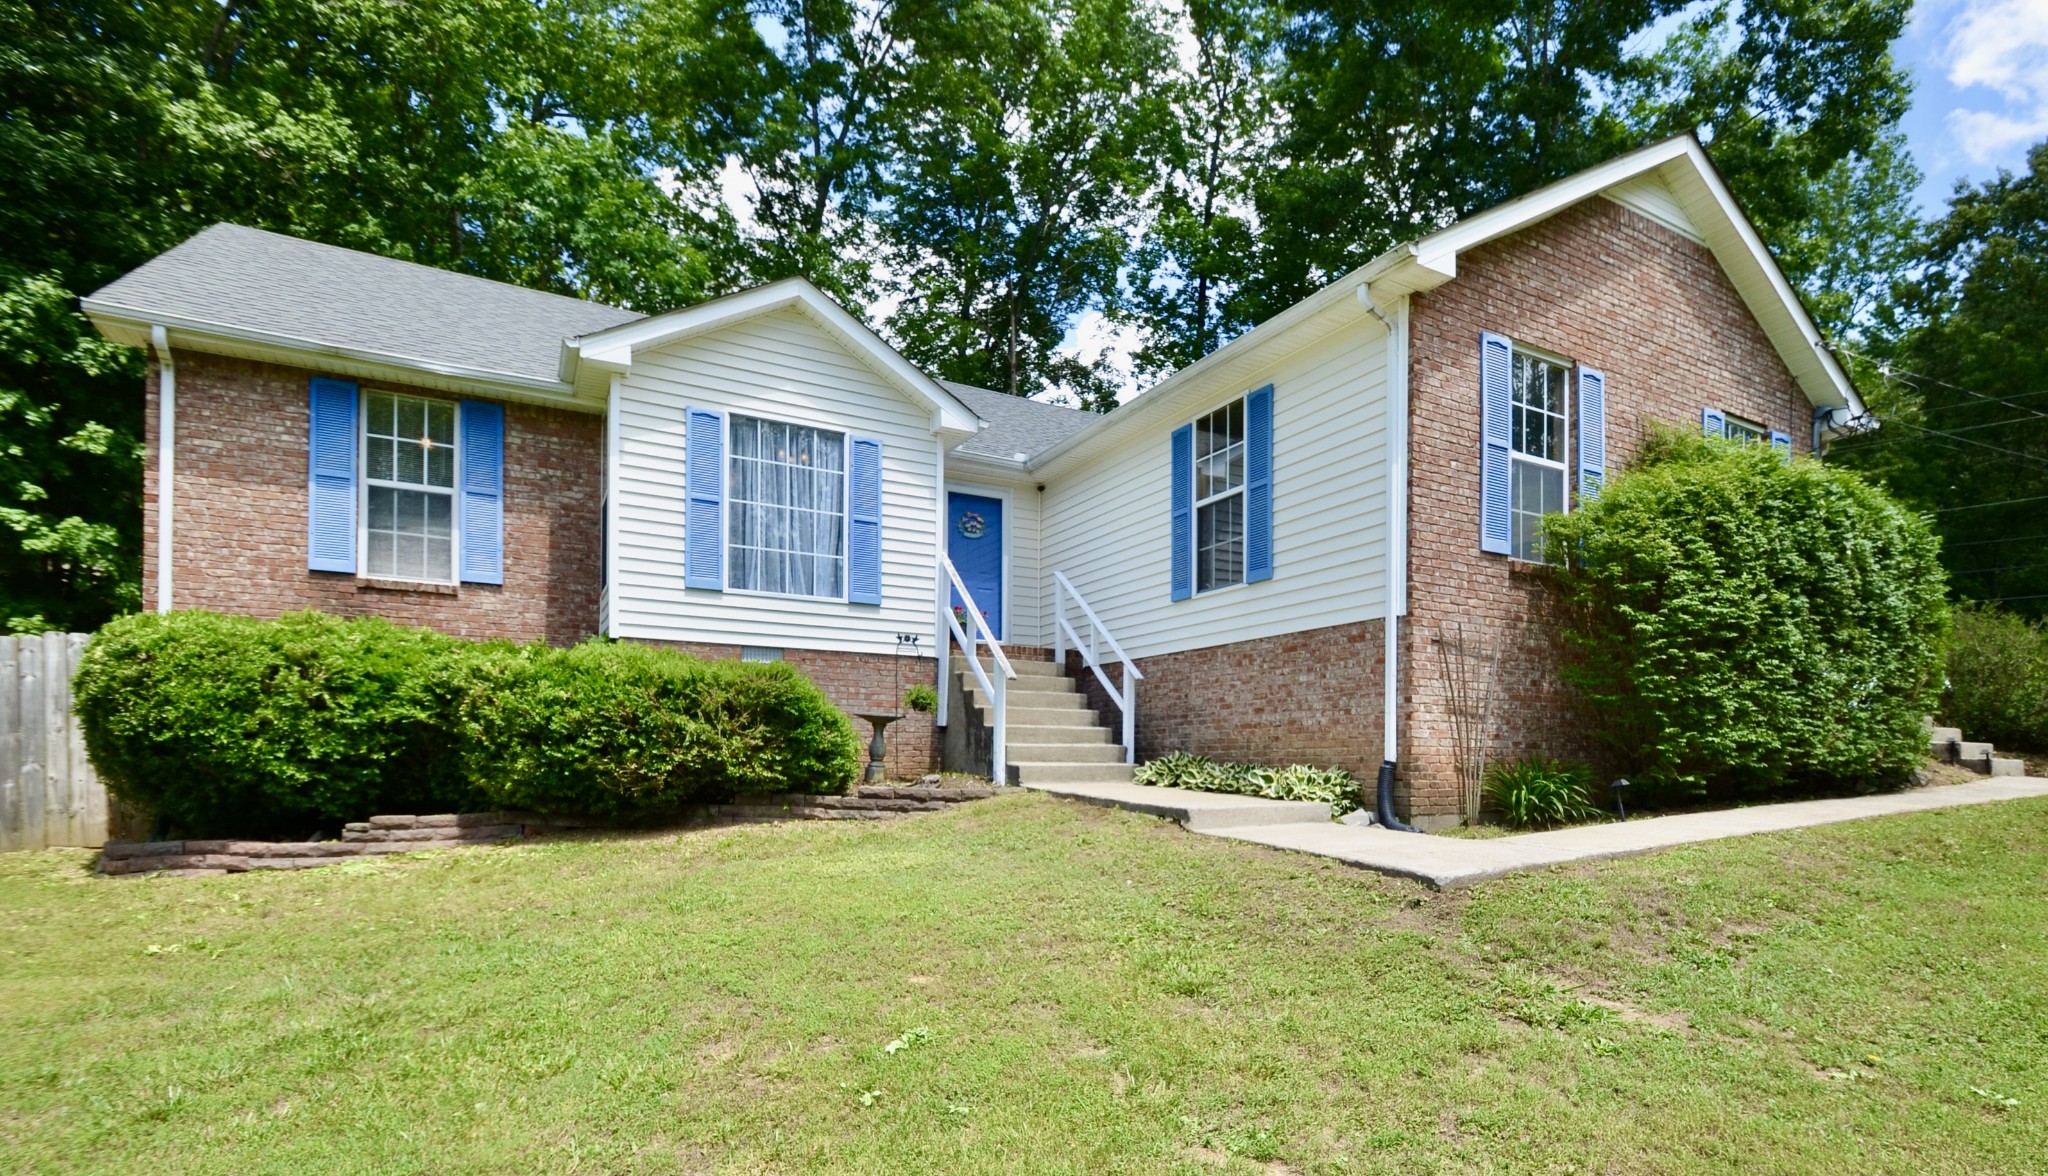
(1596, 284)
(240, 538)
(873, 683)
(1304, 698)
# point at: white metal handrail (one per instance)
(1126, 699)
(999, 768)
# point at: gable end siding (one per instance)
(780, 366)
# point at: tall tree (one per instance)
(1199, 242)
(471, 135)
(790, 96)
(1401, 119)
(1022, 147)
(1967, 435)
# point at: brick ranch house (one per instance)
(1260, 558)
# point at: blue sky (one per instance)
(1980, 72)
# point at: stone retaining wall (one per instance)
(408, 834)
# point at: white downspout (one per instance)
(1397, 547)
(166, 459)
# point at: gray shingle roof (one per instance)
(1016, 425)
(250, 280)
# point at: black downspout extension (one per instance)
(1384, 810)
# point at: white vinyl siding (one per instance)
(1106, 524)
(778, 366)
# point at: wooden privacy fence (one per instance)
(48, 792)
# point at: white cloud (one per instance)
(737, 189)
(2000, 46)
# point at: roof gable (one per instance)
(613, 350)
(1698, 200)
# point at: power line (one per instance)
(2002, 568)
(2001, 539)
(1982, 505)
(1974, 441)
(1885, 369)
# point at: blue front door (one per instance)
(974, 542)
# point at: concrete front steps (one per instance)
(1949, 746)
(1056, 741)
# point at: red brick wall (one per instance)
(239, 535)
(858, 683)
(1600, 285)
(1304, 698)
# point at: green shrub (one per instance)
(227, 725)
(921, 698)
(621, 729)
(1749, 626)
(1997, 678)
(1534, 792)
(1332, 786)
(232, 726)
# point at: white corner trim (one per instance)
(611, 505)
(166, 457)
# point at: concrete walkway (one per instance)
(1455, 861)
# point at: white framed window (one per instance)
(785, 509)
(1737, 429)
(1539, 409)
(1219, 498)
(409, 517)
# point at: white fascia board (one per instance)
(990, 469)
(124, 324)
(1685, 167)
(1330, 306)
(1762, 283)
(613, 349)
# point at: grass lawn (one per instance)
(1030, 986)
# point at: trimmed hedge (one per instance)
(619, 729)
(232, 726)
(1752, 627)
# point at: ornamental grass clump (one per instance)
(1534, 792)
(1751, 627)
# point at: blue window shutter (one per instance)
(1258, 485)
(483, 492)
(1183, 497)
(1782, 442)
(864, 522)
(331, 477)
(704, 519)
(1713, 422)
(1592, 433)
(1495, 375)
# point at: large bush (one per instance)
(236, 726)
(1752, 627)
(226, 725)
(628, 730)
(1997, 678)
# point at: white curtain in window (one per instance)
(786, 509)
